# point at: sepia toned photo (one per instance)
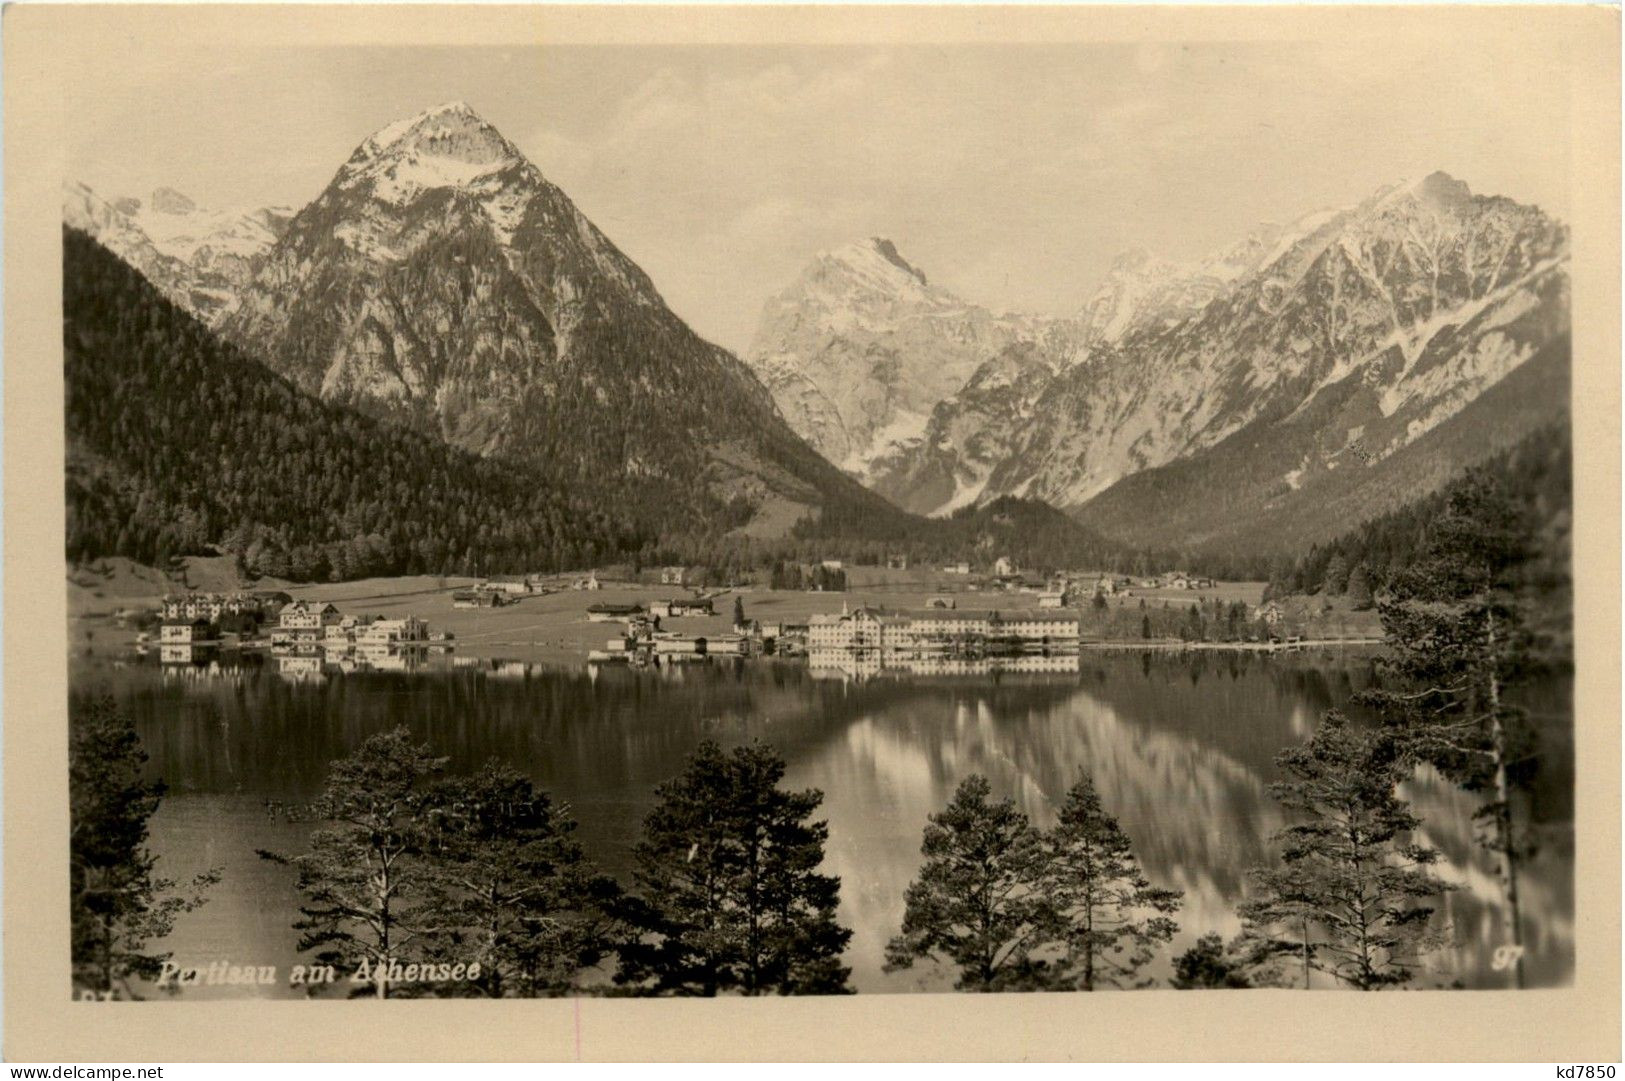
(606, 519)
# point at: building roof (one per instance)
(955, 615)
(1044, 615)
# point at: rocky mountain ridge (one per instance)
(862, 346)
(198, 257)
(1422, 297)
(441, 281)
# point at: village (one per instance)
(952, 618)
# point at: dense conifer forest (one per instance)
(1535, 476)
(181, 443)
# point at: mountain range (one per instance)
(442, 287)
(1306, 367)
(1243, 402)
(439, 281)
(198, 257)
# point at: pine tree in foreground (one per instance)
(730, 898)
(1454, 626)
(365, 874)
(508, 887)
(119, 905)
(1110, 917)
(1349, 869)
(978, 900)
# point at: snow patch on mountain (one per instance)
(197, 256)
(862, 346)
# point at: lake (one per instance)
(1180, 746)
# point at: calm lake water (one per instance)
(1181, 748)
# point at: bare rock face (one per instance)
(861, 347)
(1403, 310)
(1391, 294)
(441, 281)
(199, 258)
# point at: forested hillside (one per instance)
(178, 441)
(1536, 477)
(1029, 531)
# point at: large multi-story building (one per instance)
(211, 606)
(183, 631)
(893, 635)
(1046, 627)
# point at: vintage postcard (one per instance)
(707, 532)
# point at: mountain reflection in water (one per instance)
(1180, 747)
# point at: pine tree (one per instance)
(118, 905)
(1359, 591)
(739, 611)
(509, 888)
(1454, 626)
(1334, 580)
(365, 874)
(730, 897)
(1278, 936)
(1350, 871)
(1206, 966)
(1111, 919)
(978, 900)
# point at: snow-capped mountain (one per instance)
(862, 346)
(1364, 293)
(442, 281)
(1406, 308)
(198, 257)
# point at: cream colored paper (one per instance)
(1576, 1024)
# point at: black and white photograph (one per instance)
(803, 518)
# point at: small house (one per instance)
(183, 632)
(307, 616)
(389, 632)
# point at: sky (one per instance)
(1012, 174)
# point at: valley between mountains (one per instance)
(443, 298)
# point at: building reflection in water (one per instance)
(866, 663)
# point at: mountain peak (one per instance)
(873, 261)
(449, 145)
(170, 201)
(1441, 188)
(888, 251)
(453, 131)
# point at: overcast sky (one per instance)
(1011, 174)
